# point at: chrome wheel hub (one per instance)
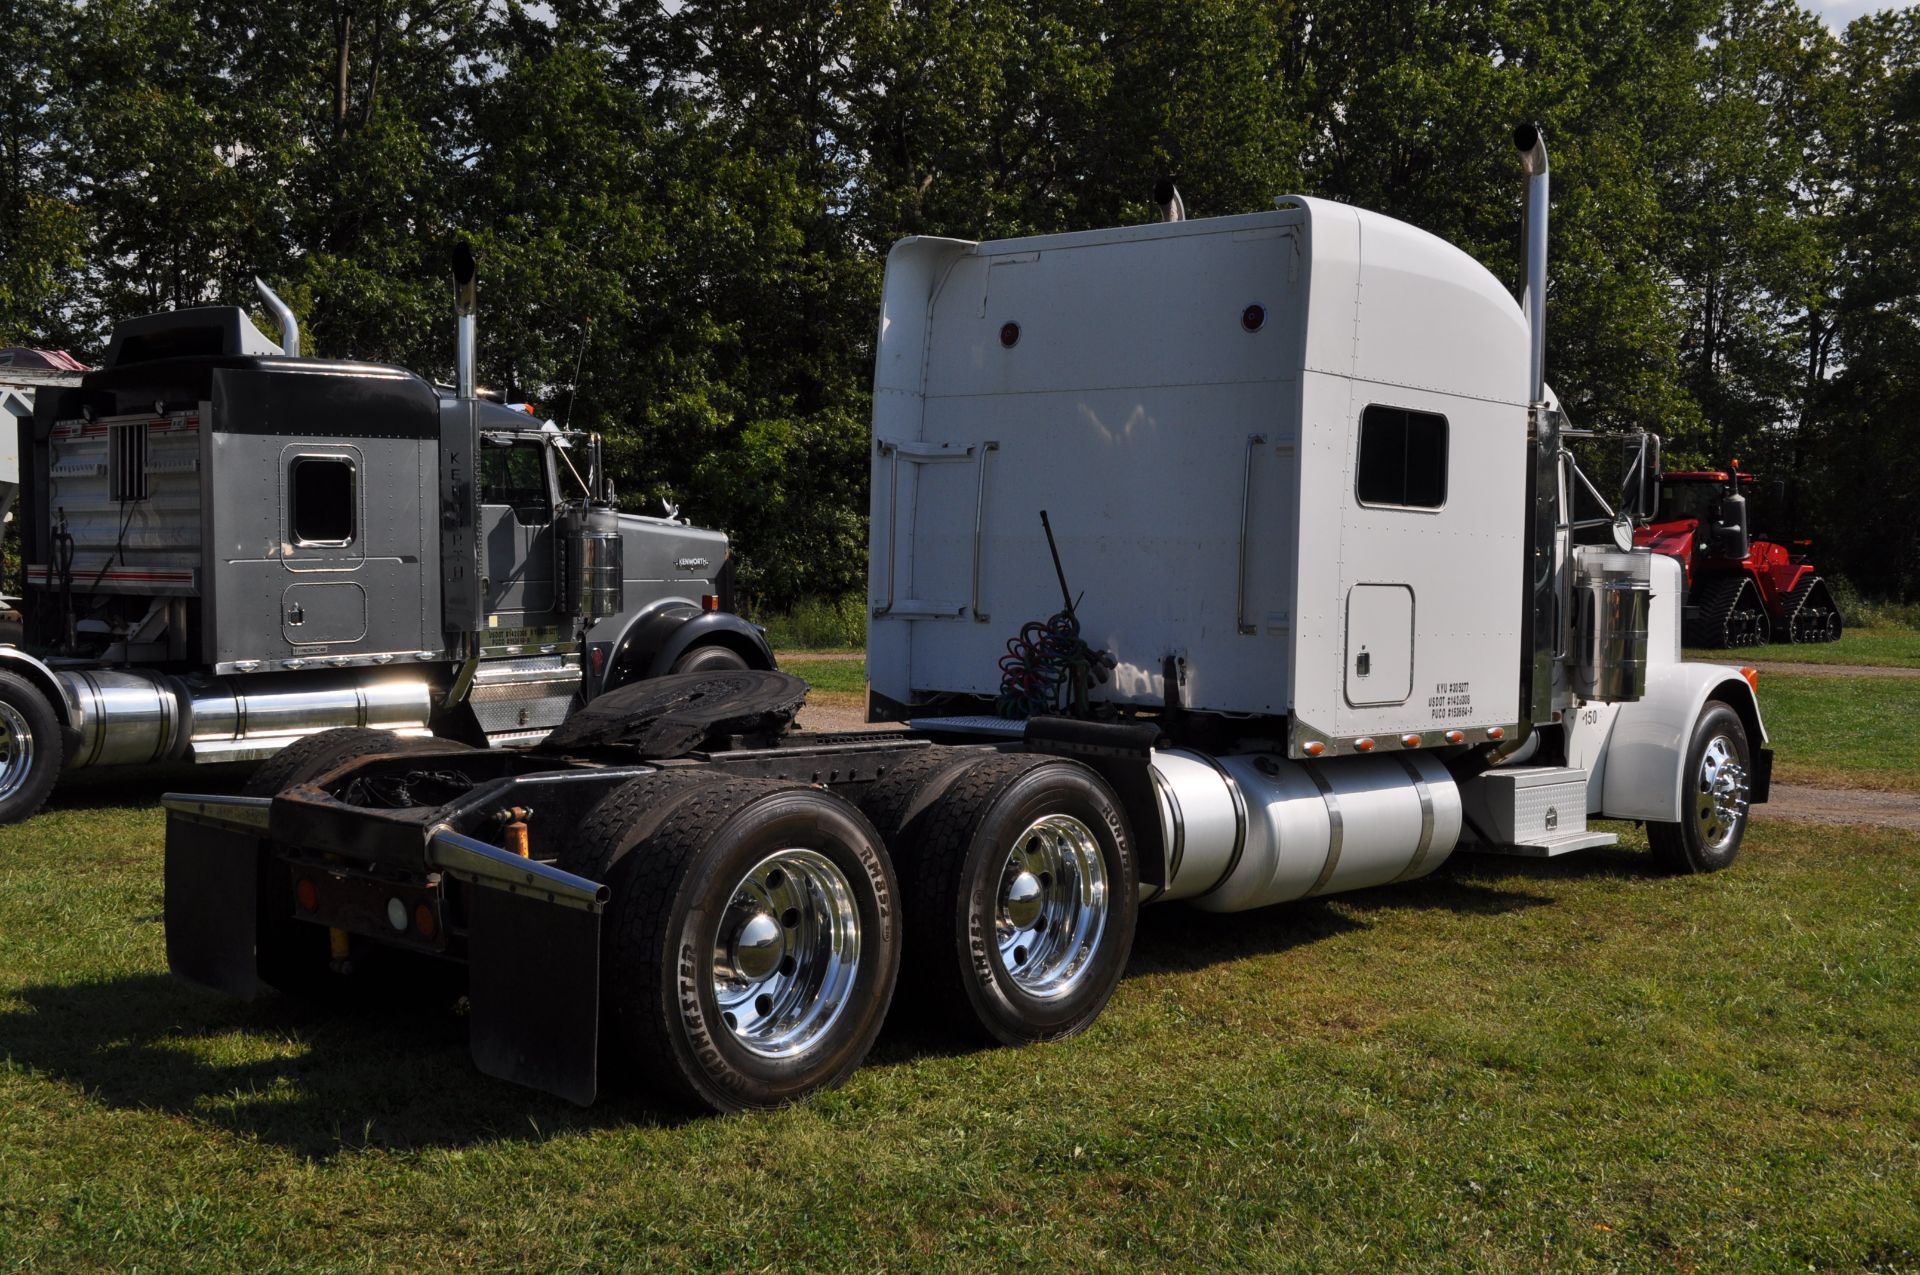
(16, 750)
(786, 953)
(1051, 909)
(1721, 800)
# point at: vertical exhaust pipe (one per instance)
(1166, 197)
(283, 315)
(1531, 142)
(464, 271)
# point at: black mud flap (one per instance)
(212, 900)
(533, 982)
(1761, 785)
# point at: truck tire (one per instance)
(32, 748)
(751, 943)
(1021, 891)
(1713, 800)
(293, 956)
(898, 801)
(709, 659)
(312, 756)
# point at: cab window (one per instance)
(517, 475)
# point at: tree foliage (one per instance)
(682, 210)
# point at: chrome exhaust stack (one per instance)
(1166, 197)
(464, 271)
(1543, 623)
(1531, 142)
(283, 315)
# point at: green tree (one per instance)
(42, 228)
(1865, 424)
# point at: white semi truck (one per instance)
(1227, 561)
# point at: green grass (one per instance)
(819, 624)
(832, 676)
(1886, 647)
(1843, 732)
(1511, 1066)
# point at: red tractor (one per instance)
(1740, 591)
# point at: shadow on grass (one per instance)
(143, 786)
(1620, 863)
(1175, 938)
(320, 1082)
(330, 1081)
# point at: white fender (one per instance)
(1646, 752)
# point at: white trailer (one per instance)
(1229, 561)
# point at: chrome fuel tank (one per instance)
(1249, 830)
(131, 717)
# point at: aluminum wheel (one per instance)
(16, 750)
(1721, 802)
(786, 953)
(1052, 906)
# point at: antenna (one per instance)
(1066, 595)
(586, 331)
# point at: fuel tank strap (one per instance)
(1178, 850)
(1336, 829)
(1239, 822)
(1426, 815)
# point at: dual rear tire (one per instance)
(1021, 889)
(752, 941)
(757, 928)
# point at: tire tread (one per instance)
(931, 869)
(645, 872)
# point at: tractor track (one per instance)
(1797, 803)
(1789, 668)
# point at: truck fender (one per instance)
(16, 661)
(661, 633)
(1646, 756)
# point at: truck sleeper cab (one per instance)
(1192, 578)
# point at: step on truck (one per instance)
(228, 547)
(1221, 561)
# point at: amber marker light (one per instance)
(1753, 678)
(1496, 732)
(423, 921)
(308, 897)
(1456, 737)
(1364, 744)
(1314, 749)
(1411, 741)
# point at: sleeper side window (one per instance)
(323, 500)
(1403, 458)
